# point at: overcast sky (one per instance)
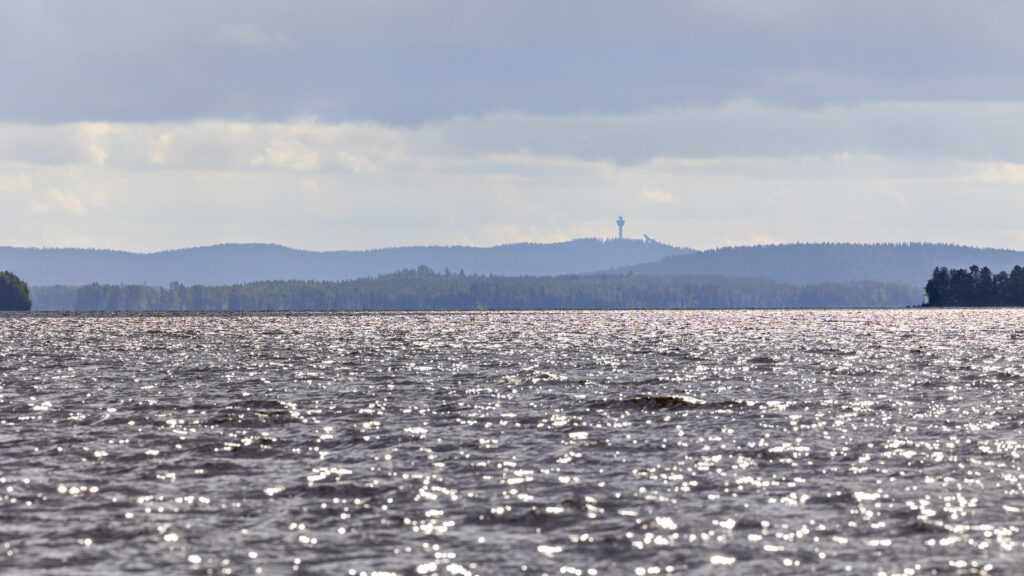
(346, 125)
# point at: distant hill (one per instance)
(239, 263)
(423, 289)
(908, 264)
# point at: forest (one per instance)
(424, 289)
(228, 264)
(231, 264)
(14, 293)
(975, 286)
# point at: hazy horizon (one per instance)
(485, 246)
(258, 243)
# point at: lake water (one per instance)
(763, 442)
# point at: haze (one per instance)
(323, 125)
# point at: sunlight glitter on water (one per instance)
(483, 443)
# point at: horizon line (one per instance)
(643, 240)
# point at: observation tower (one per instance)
(620, 222)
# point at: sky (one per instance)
(155, 125)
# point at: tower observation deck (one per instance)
(620, 222)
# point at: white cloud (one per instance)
(1001, 173)
(53, 199)
(657, 195)
(14, 183)
(289, 154)
(159, 147)
(94, 139)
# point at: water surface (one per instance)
(769, 442)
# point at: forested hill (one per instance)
(423, 289)
(240, 263)
(908, 264)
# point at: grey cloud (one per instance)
(407, 63)
(952, 130)
(968, 131)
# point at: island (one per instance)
(14, 294)
(974, 286)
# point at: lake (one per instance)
(579, 443)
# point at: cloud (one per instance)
(408, 64)
(657, 196)
(158, 148)
(290, 154)
(748, 129)
(701, 177)
(742, 129)
(207, 193)
(94, 139)
(370, 123)
(54, 199)
(247, 34)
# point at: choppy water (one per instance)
(501, 443)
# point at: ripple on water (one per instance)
(492, 443)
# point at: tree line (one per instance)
(975, 286)
(424, 289)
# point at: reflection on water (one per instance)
(882, 442)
